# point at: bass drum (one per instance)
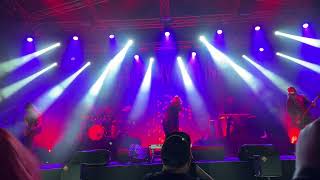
(96, 132)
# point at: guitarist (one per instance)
(298, 107)
(32, 119)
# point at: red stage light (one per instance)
(96, 132)
(293, 135)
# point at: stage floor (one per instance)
(231, 169)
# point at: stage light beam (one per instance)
(185, 76)
(305, 40)
(142, 99)
(13, 64)
(311, 66)
(194, 98)
(279, 82)
(212, 50)
(46, 100)
(8, 91)
(111, 69)
(85, 105)
(222, 60)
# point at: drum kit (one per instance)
(102, 125)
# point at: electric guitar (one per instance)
(301, 118)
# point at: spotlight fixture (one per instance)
(193, 54)
(257, 28)
(136, 57)
(202, 38)
(261, 49)
(219, 31)
(111, 36)
(30, 39)
(76, 38)
(167, 34)
(305, 25)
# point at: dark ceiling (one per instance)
(46, 18)
(53, 10)
(67, 10)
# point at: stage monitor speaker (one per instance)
(72, 169)
(214, 153)
(97, 156)
(264, 159)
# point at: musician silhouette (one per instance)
(32, 119)
(171, 120)
(298, 108)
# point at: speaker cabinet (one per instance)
(72, 170)
(214, 153)
(264, 159)
(98, 156)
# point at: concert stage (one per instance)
(229, 169)
(80, 75)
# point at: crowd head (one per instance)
(176, 151)
(308, 152)
(17, 163)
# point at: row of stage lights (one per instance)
(22, 60)
(167, 35)
(136, 57)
